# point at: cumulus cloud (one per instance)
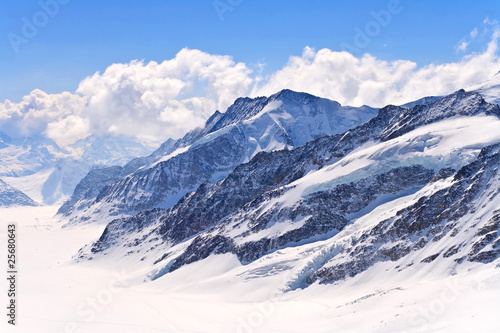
(39, 113)
(155, 101)
(151, 101)
(160, 100)
(371, 81)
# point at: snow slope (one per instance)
(220, 295)
(490, 89)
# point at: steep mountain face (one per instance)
(330, 189)
(460, 221)
(87, 190)
(253, 232)
(90, 186)
(282, 121)
(9, 196)
(49, 174)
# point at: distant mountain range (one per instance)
(49, 174)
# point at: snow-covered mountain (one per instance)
(10, 196)
(49, 174)
(490, 89)
(282, 121)
(411, 186)
(456, 219)
(27, 156)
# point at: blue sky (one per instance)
(88, 36)
(156, 69)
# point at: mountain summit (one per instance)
(285, 120)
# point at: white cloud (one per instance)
(462, 46)
(151, 101)
(473, 33)
(40, 112)
(159, 100)
(154, 101)
(68, 130)
(371, 81)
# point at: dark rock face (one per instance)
(201, 248)
(111, 236)
(429, 220)
(325, 212)
(145, 189)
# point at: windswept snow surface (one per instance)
(219, 294)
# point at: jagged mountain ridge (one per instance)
(467, 209)
(285, 120)
(245, 213)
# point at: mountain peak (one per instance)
(284, 197)
(460, 103)
(292, 95)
